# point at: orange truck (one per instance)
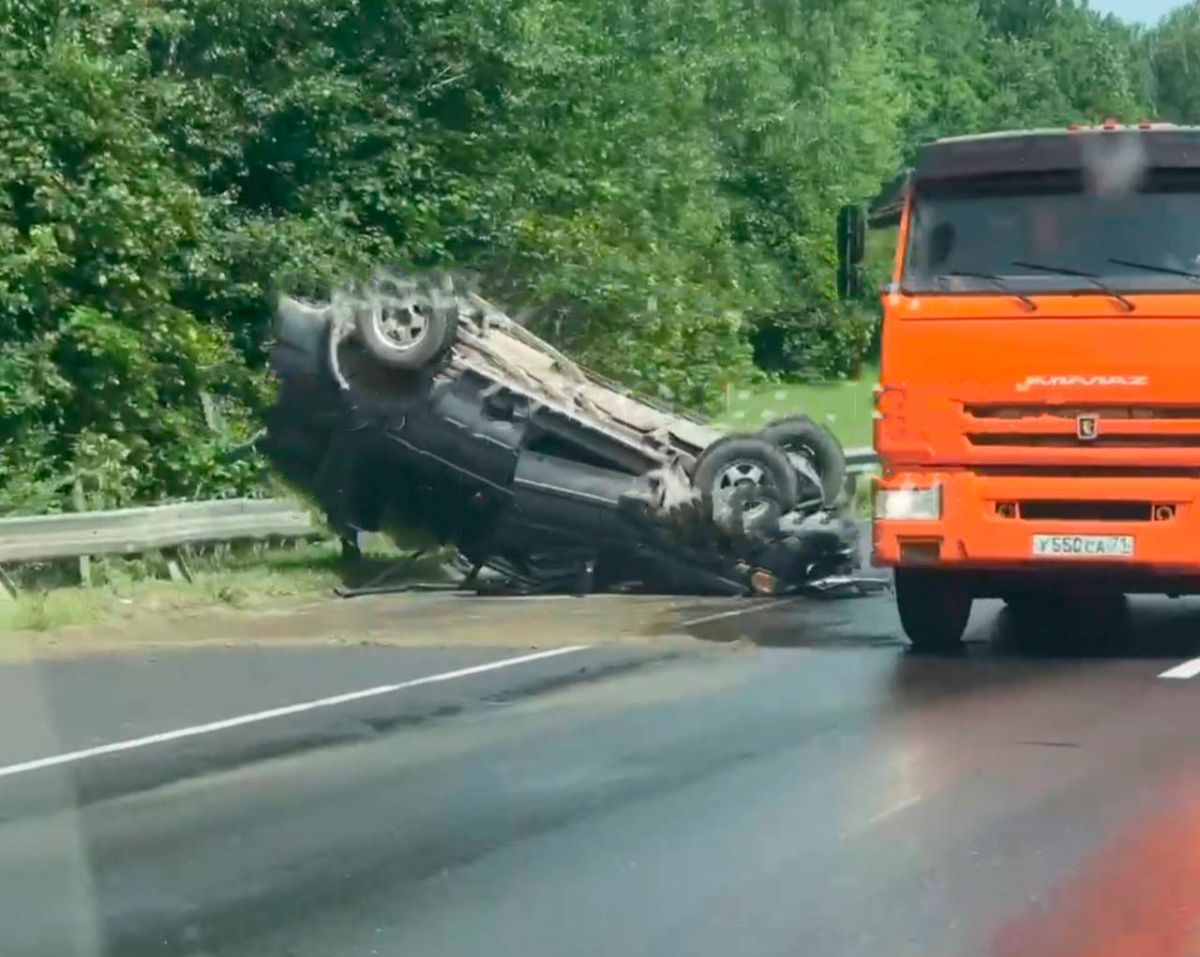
(1038, 412)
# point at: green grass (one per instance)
(251, 577)
(845, 407)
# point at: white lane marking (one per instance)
(890, 811)
(893, 810)
(752, 610)
(283, 712)
(1189, 669)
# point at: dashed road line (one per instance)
(766, 604)
(1189, 669)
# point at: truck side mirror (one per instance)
(849, 281)
(851, 247)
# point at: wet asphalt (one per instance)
(782, 778)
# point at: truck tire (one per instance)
(800, 435)
(934, 607)
(408, 324)
(738, 460)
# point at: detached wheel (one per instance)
(408, 324)
(801, 437)
(740, 461)
(934, 608)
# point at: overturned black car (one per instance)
(406, 405)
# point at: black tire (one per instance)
(743, 459)
(408, 324)
(934, 607)
(801, 435)
(752, 515)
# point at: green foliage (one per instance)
(654, 180)
(1174, 52)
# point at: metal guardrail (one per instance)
(133, 530)
(861, 460)
(859, 463)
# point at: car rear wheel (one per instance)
(408, 324)
(811, 446)
(934, 607)
(740, 461)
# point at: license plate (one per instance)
(1083, 546)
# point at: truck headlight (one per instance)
(909, 504)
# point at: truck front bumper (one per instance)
(988, 524)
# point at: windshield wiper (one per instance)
(1089, 276)
(1150, 267)
(998, 283)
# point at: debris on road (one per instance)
(408, 406)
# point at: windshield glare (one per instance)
(988, 229)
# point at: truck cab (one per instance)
(1038, 411)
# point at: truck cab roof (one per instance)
(1044, 150)
(1154, 145)
(1073, 130)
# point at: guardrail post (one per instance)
(85, 561)
(352, 548)
(177, 569)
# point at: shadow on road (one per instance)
(1132, 628)
(1006, 649)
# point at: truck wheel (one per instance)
(740, 460)
(801, 436)
(406, 324)
(934, 608)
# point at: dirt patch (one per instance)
(408, 619)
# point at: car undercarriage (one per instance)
(408, 405)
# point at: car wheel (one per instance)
(408, 324)
(738, 461)
(752, 513)
(934, 608)
(811, 447)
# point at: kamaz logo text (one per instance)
(1051, 381)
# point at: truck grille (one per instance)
(1127, 440)
(1035, 510)
(1015, 425)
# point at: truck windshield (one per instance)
(1048, 235)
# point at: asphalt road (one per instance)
(779, 778)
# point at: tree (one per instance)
(1174, 52)
(653, 181)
